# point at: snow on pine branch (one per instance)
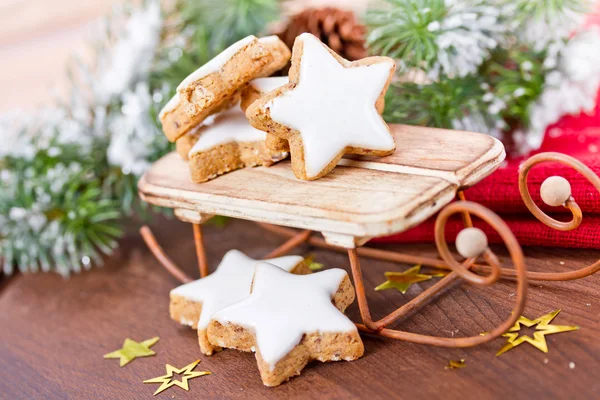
(572, 88)
(465, 36)
(129, 59)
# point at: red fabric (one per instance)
(578, 136)
(528, 230)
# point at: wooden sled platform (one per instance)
(363, 198)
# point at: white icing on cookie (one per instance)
(206, 122)
(283, 307)
(229, 284)
(229, 126)
(266, 85)
(273, 39)
(333, 106)
(216, 63)
(170, 106)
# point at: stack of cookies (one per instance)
(205, 118)
(276, 308)
(230, 114)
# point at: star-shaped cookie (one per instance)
(330, 107)
(195, 302)
(289, 320)
(229, 143)
(211, 88)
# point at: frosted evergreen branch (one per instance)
(230, 20)
(541, 22)
(68, 174)
(451, 38)
(462, 103)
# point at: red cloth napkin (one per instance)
(578, 136)
(528, 231)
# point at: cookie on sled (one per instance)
(330, 107)
(256, 89)
(194, 303)
(227, 144)
(184, 144)
(209, 89)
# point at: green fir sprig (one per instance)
(479, 65)
(517, 76)
(401, 30)
(435, 104)
(68, 178)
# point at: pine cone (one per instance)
(337, 28)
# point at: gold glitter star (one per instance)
(456, 364)
(403, 280)
(167, 381)
(132, 349)
(542, 328)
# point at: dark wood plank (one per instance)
(53, 333)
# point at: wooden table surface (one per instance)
(54, 332)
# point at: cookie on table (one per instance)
(254, 91)
(330, 107)
(194, 303)
(229, 143)
(209, 89)
(289, 320)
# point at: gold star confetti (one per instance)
(439, 273)
(312, 264)
(542, 328)
(167, 381)
(403, 280)
(456, 364)
(132, 349)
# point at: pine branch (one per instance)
(449, 38)
(204, 30)
(517, 77)
(401, 30)
(545, 9)
(231, 20)
(68, 177)
(442, 104)
(53, 216)
(540, 22)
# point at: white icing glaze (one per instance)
(333, 106)
(228, 126)
(206, 122)
(216, 63)
(266, 85)
(283, 307)
(213, 66)
(269, 39)
(229, 284)
(186, 321)
(170, 106)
